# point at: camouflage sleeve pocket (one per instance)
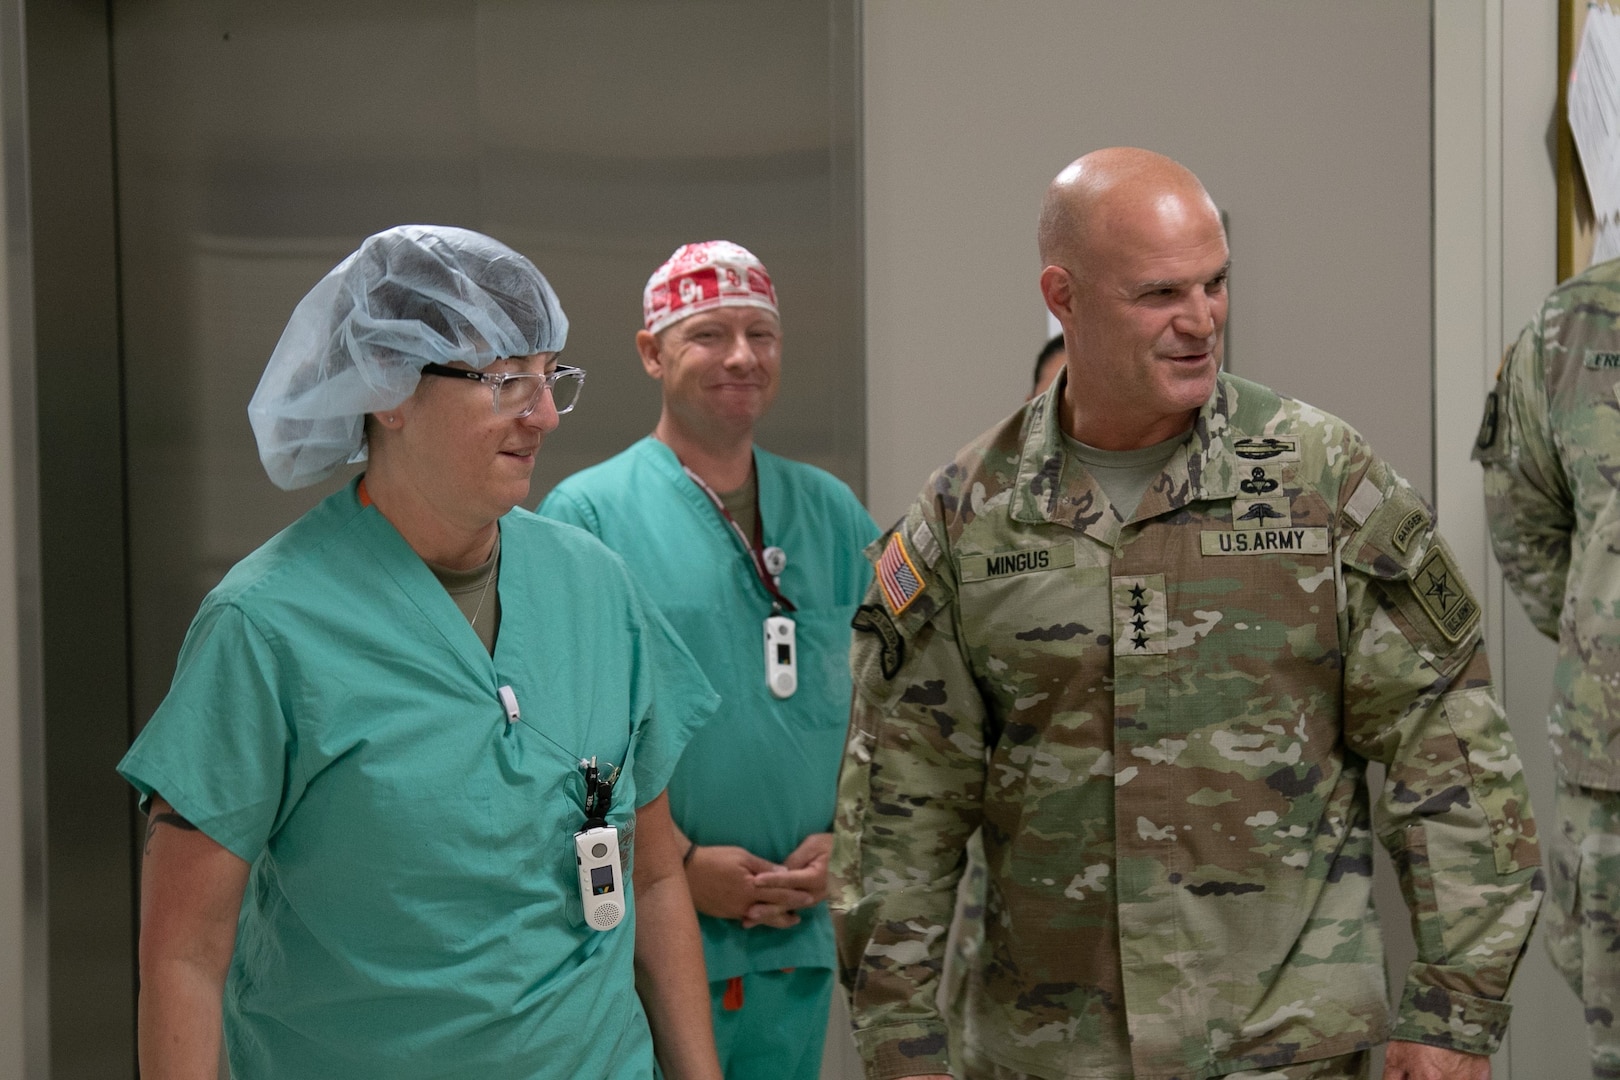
(1480, 728)
(1410, 854)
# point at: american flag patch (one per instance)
(898, 576)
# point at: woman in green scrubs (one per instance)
(365, 783)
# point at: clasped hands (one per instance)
(733, 883)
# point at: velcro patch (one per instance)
(874, 620)
(1443, 595)
(1271, 448)
(1303, 541)
(1002, 564)
(924, 544)
(1367, 498)
(1596, 359)
(898, 576)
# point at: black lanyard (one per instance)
(755, 546)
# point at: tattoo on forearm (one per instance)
(165, 818)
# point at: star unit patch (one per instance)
(1443, 595)
(898, 576)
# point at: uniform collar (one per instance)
(1052, 486)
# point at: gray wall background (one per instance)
(1307, 121)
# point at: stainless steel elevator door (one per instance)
(258, 143)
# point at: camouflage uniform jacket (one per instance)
(1550, 444)
(1163, 726)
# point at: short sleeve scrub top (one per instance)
(413, 906)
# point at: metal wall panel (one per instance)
(84, 639)
(196, 166)
(25, 1043)
(258, 144)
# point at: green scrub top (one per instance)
(413, 908)
(764, 773)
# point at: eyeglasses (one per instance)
(517, 393)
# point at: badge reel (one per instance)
(596, 852)
(781, 656)
(781, 643)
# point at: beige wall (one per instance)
(1308, 122)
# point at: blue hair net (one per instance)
(411, 296)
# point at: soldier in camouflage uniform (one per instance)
(966, 935)
(1550, 444)
(1161, 713)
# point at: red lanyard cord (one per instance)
(755, 546)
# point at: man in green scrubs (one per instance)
(363, 801)
(726, 537)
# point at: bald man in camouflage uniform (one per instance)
(1550, 444)
(1159, 697)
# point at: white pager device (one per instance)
(781, 656)
(601, 878)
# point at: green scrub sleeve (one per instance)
(217, 749)
(675, 697)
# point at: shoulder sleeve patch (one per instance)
(1488, 424)
(1493, 443)
(1398, 546)
(1394, 527)
(1443, 595)
(912, 579)
(897, 575)
(872, 619)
